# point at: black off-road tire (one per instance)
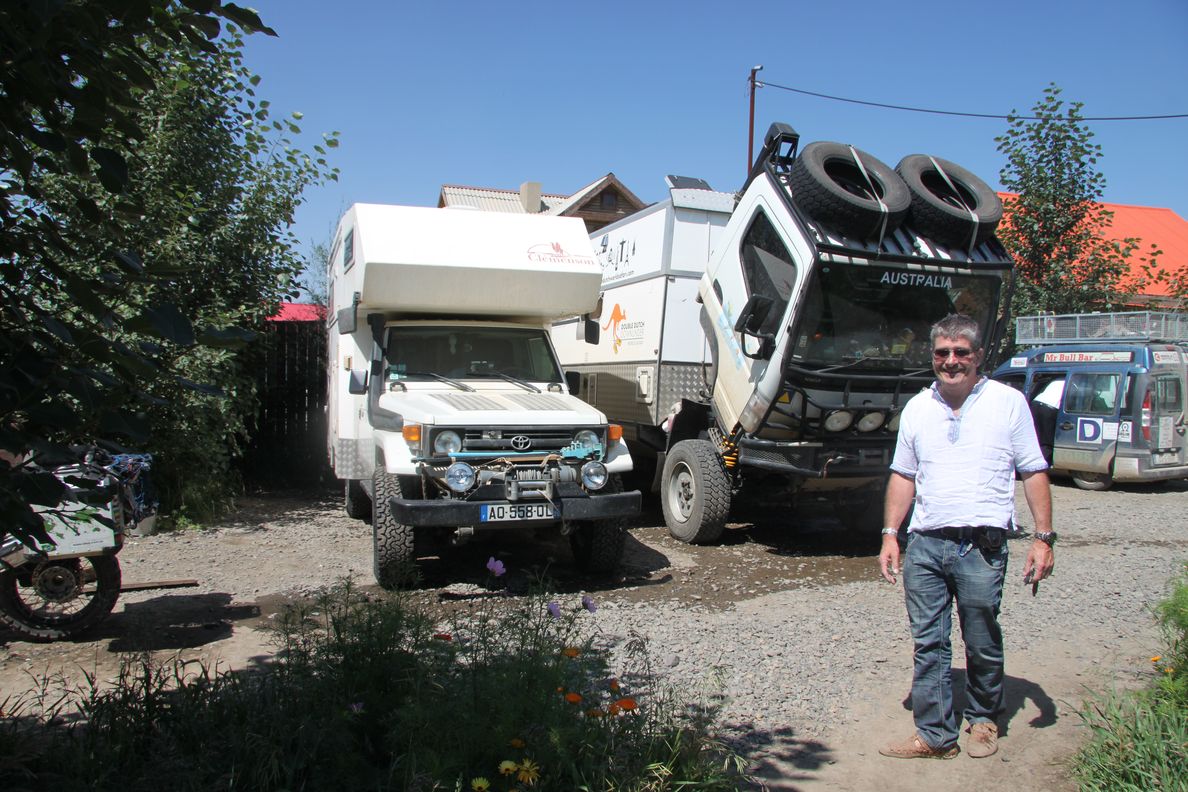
(358, 505)
(17, 613)
(597, 545)
(394, 556)
(828, 185)
(1093, 482)
(939, 213)
(695, 492)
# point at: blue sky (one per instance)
(492, 94)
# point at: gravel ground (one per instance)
(787, 620)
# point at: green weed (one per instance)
(372, 693)
(1139, 741)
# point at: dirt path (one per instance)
(809, 646)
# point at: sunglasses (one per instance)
(961, 353)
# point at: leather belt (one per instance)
(963, 532)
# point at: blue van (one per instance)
(1107, 393)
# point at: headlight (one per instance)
(447, 443)
(594, 475)
(871, 421)
(459, 477)
(838, 420)
(893, 424)
(587, 438)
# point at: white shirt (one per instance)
(964, 465)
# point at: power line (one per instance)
(965, 115)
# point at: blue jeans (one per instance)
(935, 570)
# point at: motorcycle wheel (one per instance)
(59, 598)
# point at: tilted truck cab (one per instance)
(808, 329)
(448, 412)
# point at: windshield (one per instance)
(469, 352)
(879, 317)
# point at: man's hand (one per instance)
(1039, 563)
(889, 557)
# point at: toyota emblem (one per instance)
(521, 442)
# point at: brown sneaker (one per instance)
(916, 748)
(983, 740)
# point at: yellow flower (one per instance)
(571, 651)
(480, 784)
(1156, 658)
(507, 767)
(516, 742)
(529, 772)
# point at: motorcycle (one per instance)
(64, 587)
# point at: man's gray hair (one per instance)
(958, 326)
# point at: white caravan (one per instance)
(447, 410)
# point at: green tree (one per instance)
(1055, 222)
(217, 182)
(95, 302)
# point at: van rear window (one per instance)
(1168, 396)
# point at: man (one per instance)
(960, 444)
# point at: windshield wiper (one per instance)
(493, 373)
(439, 378)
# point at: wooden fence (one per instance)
(287, 444)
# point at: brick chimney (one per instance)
(530, 197)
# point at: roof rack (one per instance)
(1135, 326)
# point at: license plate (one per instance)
(1165, 459)
(504, 512)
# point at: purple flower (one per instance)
(588, 603)
(495, 566)
(356, 708)
(554, 610)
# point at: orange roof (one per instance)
(1151, 225)
(298, 312)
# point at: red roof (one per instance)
(1151, 225)
(299, 312)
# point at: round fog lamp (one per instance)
(447, 443)
(594, 475)
(893, 424)
(459, 477)
(838, 420)
(586, 438)
(870, 421)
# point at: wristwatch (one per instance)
(1047, 537)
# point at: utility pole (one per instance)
(751, 126)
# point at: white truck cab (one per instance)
(448, 412)
(789, 324)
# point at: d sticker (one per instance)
(1089, 430)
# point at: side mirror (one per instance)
(573, 381)
(756, 344)
(591, 332)
(357, 383)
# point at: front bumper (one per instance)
(811, 460)
(452, 513)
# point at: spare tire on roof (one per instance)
(950, 205)
(848, 189)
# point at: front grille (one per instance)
(539, 439)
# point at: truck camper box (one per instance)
(412, 260)
(448, 414)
